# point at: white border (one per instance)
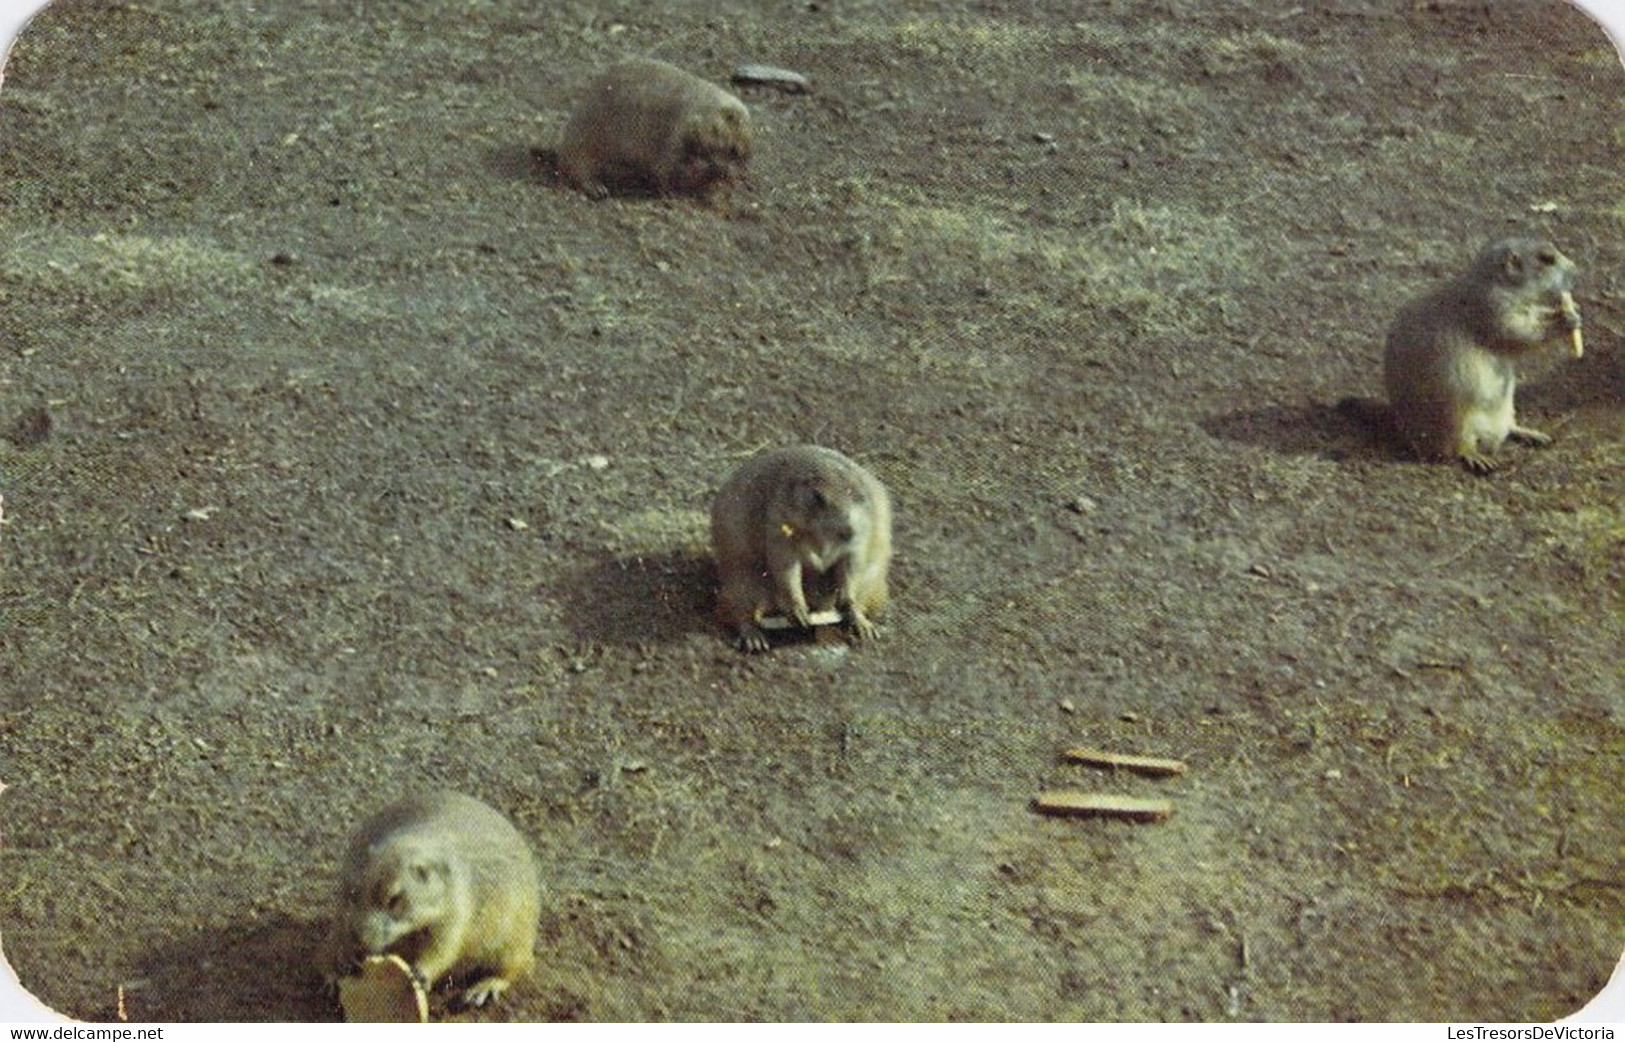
(17, 1006)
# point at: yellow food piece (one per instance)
(817, 618)
(386, 991)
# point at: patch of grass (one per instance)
(1598, 58)
(1134, 98)
(110, 267)
(658, 531)
(1592, 537)
(940, 38)
(1248, 52)
(1152, 261)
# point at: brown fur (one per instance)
(799, 530)
(1449, 366)
(448, 884)
(650, 124)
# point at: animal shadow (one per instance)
(540, 166)
(518, 163)
(1353, 429)
(639, 599)
(251, 972)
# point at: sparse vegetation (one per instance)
(380, 460)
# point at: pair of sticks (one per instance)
(1071, 803)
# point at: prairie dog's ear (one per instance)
(1513, 263)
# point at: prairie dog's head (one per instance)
(1532, 284)
(824, 520)
(1530, 264)
(714, 146)
(404, 889)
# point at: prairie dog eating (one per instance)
(798, 530)
(448, 884)
(647, 123)
(1449, 366)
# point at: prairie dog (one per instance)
(1449, 366)
(649, 123)
(798, 530)
(445, 882)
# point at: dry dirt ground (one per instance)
(378, 460)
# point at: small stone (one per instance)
(1067, 706)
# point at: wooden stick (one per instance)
(1154, 765)
(1102, 804)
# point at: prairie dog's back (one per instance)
(447, 819)
(649, 122)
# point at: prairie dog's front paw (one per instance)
(484, 992)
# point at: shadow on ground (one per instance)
(644, 599)
(242, 973)
(1356, 431)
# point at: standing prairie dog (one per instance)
(1449, 364)
(644, 122)
(448, 884)
(799, 530)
